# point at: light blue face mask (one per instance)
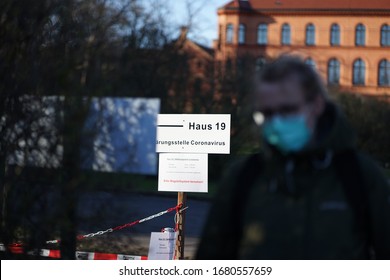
(288, 134)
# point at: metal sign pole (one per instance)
(179, 248)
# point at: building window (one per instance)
(359, 72)
(360, 35)
(286, 34)
(240, 65)
(262, 34)
(310, 61)
(229, 66)
(241, 34)
(333, 72)
(198, 85)
(219, 36)
(310, 35)
(229, 33)
(199, 64)
(384, 73)
(335, 35)
(219, 68)
(385, 35)
(260, 62)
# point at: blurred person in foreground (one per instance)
(309, 194)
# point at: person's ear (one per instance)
(318, 105)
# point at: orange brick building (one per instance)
(348, 41)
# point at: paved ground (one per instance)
(39, 210)
(102, 210)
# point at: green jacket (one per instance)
(297, 207)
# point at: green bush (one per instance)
(370, 118)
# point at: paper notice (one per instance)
(162, 245)
(183, 172)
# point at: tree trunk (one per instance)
(71, 180)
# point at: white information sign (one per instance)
(183, 172)
(190, 133)
(162, 245)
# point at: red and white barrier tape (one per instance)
(56, 254)
(90, 235)
(91, 255)
(18, 248)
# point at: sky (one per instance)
(205, 22)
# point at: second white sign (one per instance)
(183, 172)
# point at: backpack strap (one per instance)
(245, 180)
(355, 189)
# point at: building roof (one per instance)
(309, 4)
(208, 50)
(183, 41)
(238, 4)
